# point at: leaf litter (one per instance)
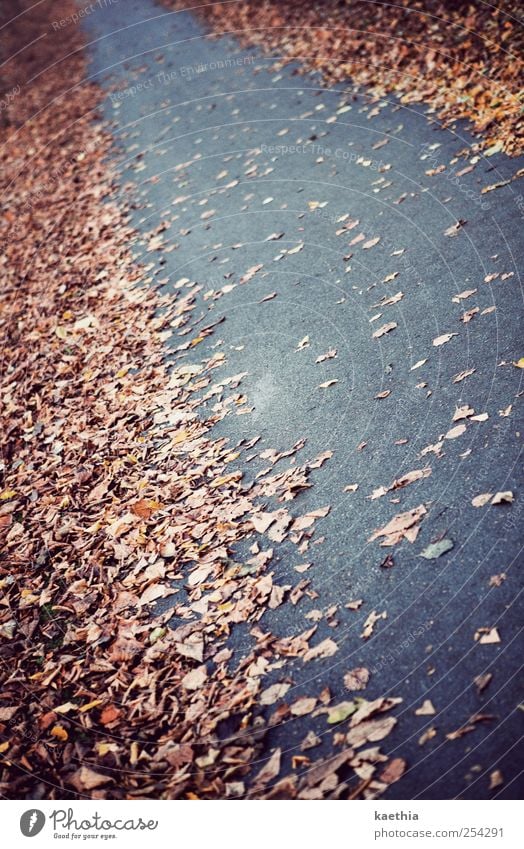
(147, 508)
(116, 496)
(463, 63)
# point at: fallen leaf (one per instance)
(356, 679)
(441, 340)
(370, 731)
(427, 735)
(195, 679)
(370, 623)
(505, 497)
(437, 549)
(418, 364)
(495, 779)
(303, 706)
(327, 648)
(463, 412)
(425, 709)
(273, 693)
(304, 343)
(340, 712)
(402, 525)
(456, 431)
(386, 328)
(463, 295)
(469, 726)
(329, 355)
(270, 770)
(482, 681)
(455, 228)
(250, 273)
(487, 636)
(463, 374)
(59, 732)
(110, 714)
(393, 771)
(482, 500)
(6, 713)
(145, 507)
(469, 314)
(308, 519)
(87, 779)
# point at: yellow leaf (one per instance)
(519, 363)
(231, 457)
(4, 746)
(180, 437)
(7, 494)
(223, 479)
(103, 748)
(59, 732)
(28, 595)
(90, 705)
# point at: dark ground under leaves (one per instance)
(425, 649)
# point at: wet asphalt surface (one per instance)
(195, 117)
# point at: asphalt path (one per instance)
(202, 126)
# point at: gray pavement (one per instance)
(198, 118)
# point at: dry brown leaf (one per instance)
(386, 328)
(505, 497)
(356, 679)
(369, 624)
(402, 525)
(425, 709)
(487, 636)
(482, 681)
(273, 693)
(327, 648)
(441, 340)
(393, 771)
(496, 779)
(303, 706)
(195, 679)
(270, 770)
(85, 779)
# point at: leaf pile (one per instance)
(116, 497)
(462, 59)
